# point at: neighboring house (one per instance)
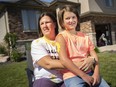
(21, 17)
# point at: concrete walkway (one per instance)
(107, 48)
(3, 58)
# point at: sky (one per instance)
(47, 0)
(9, 0)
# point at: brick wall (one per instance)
(15, 25)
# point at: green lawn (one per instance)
(14, 75)
(108, 67)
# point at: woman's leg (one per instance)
(44, 82)
(63, 85)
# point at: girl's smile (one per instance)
(70, 20)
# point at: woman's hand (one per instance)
(87, 63)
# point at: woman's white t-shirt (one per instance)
(40, 48)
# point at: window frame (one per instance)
(109, 3)
(27, 19)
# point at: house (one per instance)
(21, 17)
(99, 17)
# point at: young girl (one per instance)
(74, 46)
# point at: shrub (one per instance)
(3, 49)
(10, 39)
(15, 55)
(97, 50)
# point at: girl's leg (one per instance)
(103, 83)
(44, 82)
(75, 82)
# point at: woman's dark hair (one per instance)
(52, 17)
(68, 8)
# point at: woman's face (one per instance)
(70, 20)
(47, 26)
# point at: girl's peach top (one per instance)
(77, 46)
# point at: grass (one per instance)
(108, 67)
(14, 75)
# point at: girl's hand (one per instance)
(88, 79)
(87, 63)
(96, 79)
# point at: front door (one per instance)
(103, 34)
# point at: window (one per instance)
(109, 3)
(30, 20)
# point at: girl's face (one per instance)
(47, 26)
(70, 20)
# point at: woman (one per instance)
(44, 54)
(74, 46)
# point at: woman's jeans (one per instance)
(78, 82)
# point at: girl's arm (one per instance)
(96, 74)
(68, 63)
(87, 63)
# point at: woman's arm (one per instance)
(48, 63)
(41, 56)
(68, 63)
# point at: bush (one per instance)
(3, 49)
(97, 50)
(10, 39)
(15, 55)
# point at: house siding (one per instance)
(3, 25)
(100, 6)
